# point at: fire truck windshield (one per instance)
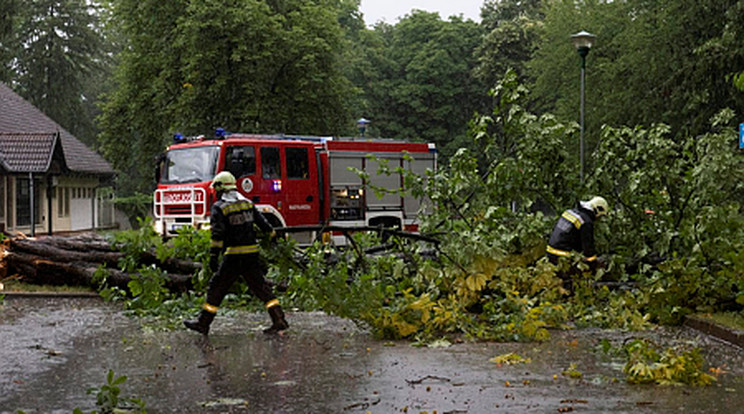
(190, 165)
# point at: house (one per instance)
(50, 182)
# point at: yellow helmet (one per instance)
(223, 181)
(599, 206)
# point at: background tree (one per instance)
(245, 65)
(355, 60)
(424, 88)
(512, 28)
(7, 15)
(673, 63)
(364, 62)
(264, 70)
(57, 47)
(134, 122)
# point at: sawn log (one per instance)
(74, 260)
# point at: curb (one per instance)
(708, 327)
(10, 294)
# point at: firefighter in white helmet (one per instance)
(233, 220)
(574, 231)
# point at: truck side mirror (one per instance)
(159, 163)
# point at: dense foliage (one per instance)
(422, 85)
(54, 53)
(487, 278)
(312, 67)
(664, 95)
(248, 66)
(672, 62)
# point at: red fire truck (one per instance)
(293, 180)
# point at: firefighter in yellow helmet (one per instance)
(574, 231)
(233, 220)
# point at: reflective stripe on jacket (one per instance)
(232, 220)
(574, 231)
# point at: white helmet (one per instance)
(599, 206)
(223, 181)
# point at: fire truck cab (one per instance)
(292, 180)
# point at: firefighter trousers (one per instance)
(233, 266)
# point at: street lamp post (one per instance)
(583, 42)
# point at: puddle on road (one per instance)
(51, 352)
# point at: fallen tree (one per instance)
(81, 260)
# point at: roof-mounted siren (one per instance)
(362, 126)
(178, 138)
(219, 133)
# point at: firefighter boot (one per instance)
(201, 324)
(278, 323)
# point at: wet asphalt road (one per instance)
(52, 350)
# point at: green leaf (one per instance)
(740, 298)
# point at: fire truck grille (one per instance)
(183, 210)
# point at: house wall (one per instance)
(81, 195)
(77, 204)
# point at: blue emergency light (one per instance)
(276, 185)
(219, 133)
(178, 138)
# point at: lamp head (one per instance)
(583, 40)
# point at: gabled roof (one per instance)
(20, 153)
(25, 132)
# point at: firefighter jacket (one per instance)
(574, 231)
(232, 220)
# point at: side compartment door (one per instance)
(300, 186)
(240, 160)
(269, 181)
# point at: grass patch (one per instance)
(733, 320)
(18, 286)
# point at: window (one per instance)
(270, 162)
(23, 202)
(63, 201)
(297, 165)
(60, 202)
(9, 205)
(241, 161)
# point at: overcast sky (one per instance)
(391, 10)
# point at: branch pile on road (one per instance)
(74, 260)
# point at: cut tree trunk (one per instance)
(77, 251)
(43, 249)
(75, 260)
